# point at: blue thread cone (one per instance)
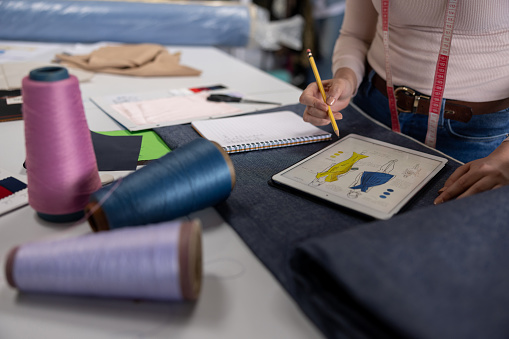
(190, 178)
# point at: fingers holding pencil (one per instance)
(316, 111)
(325, 99)
(322, 92)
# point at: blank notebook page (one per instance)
(260, 131)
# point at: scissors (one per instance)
(231, 98)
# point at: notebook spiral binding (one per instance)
(276, 143)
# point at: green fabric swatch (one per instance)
(152, 146)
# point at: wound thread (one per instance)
(195, 176)
(60, 159)
(159, 262)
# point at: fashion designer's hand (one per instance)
(338, 90)
(477, 176)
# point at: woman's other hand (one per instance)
(477, 176)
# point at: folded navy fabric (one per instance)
(116, 153)
(271, 221)
(437, 272)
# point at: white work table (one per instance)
(239, 298)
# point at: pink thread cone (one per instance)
(60, 159)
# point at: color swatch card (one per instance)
(260, 131)
(13, 192)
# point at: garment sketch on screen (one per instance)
(366, 180)
(333, 172)
(412, 172)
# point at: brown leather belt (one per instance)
(410, 101)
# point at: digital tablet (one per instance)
(369, 176)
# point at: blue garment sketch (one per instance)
(371, 179)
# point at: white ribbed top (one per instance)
(479, 56)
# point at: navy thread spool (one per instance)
(160, 262)
(60, 159)
(197, 175)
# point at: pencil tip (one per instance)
(337, 133)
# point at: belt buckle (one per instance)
(409, 92)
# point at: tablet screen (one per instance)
(367, 175)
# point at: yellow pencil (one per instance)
(320, 86)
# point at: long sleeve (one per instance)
(357, 32)
(479, 55)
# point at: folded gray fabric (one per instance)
(438, 272)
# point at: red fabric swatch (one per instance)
(4, 192)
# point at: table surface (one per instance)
(239, 297)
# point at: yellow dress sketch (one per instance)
(341, 168)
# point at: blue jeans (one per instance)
(462, 141)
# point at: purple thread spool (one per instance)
(158, 262)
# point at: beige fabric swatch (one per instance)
(137, 60)
(12, 73)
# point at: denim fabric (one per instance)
(463, 141)
(272, 221)
(437, 272)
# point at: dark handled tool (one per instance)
(231, 98)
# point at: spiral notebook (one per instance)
(260, 131)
